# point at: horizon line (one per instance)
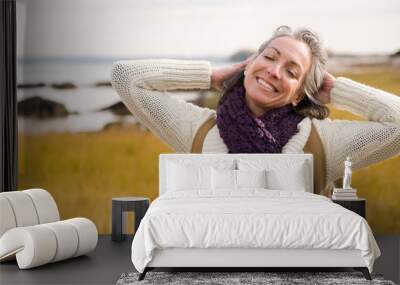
(176, 56)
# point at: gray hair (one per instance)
(315, 76)
(309, 106)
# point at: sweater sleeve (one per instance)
(142, 85)
(366, 142)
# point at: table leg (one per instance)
(118, 222)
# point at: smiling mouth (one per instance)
(265, 85)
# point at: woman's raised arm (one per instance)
(142, 85)
(365, 101)
(366, 142)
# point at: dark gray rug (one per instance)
(229, 278)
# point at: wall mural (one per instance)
(78, 141)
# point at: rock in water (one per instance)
(64, 85)
(31, 85)
(118, 109)
(41, 108)
(103, 84)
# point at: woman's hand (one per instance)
(324, 92)
(218, 76)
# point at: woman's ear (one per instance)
(296, 101)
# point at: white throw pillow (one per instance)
(251, 178)
(281, 174)
(227, 179)
(183, 178)
(223, 179)
(292, 180)
(193, 174)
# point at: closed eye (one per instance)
(291, 73)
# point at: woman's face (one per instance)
(275, 76)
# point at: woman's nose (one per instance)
(273, 70)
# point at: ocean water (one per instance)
(85, 101)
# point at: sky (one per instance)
(140, 28)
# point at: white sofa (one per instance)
(31, 231)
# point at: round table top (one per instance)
(130, 199)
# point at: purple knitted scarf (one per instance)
(243, 133)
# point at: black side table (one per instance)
(120, 206)
(355, 205)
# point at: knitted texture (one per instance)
(243, 133)
(141, 84)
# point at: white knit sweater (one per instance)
(142, 85)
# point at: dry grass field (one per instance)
(83, 171)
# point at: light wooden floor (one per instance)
(111, 259)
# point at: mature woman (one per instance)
(272, 102)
